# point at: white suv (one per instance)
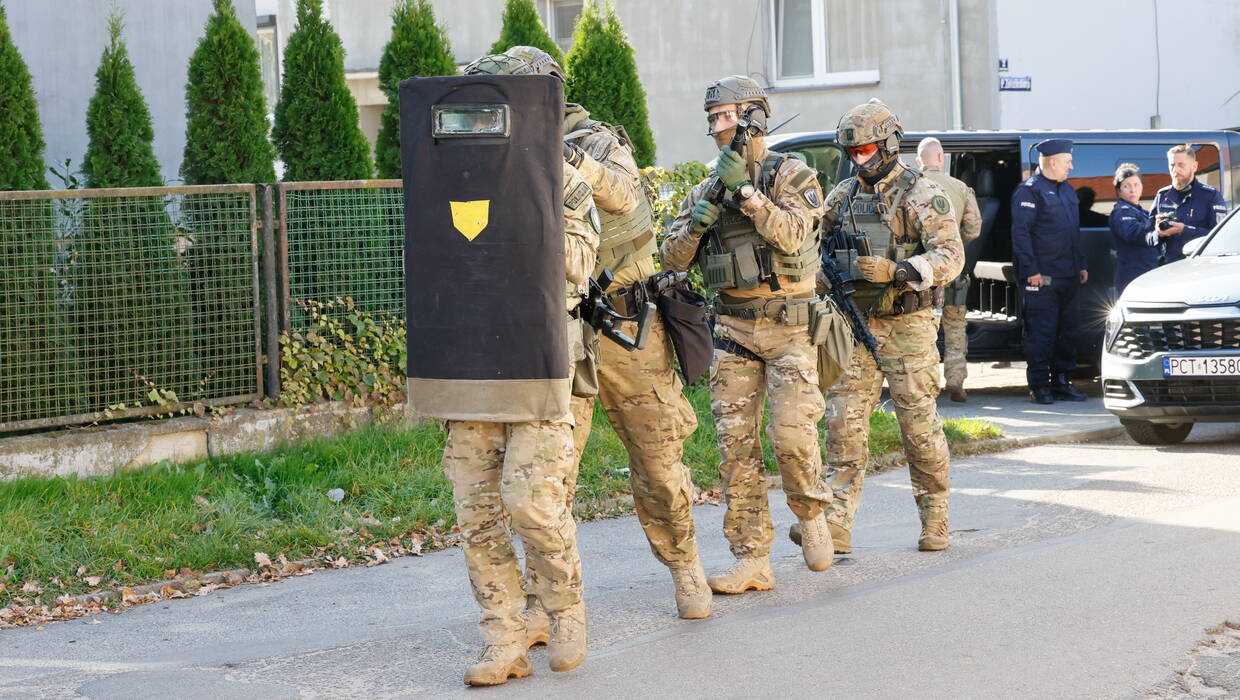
(1171, 354)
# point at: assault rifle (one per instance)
(842, 288)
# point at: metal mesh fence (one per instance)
(130, 301)
(342, 239)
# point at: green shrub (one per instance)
(21, 158)
(602, 77)
(418, 47)
(523, 27)
(316, 126)
(347, 355)
(225, 115)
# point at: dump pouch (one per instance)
(686, 316)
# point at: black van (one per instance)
(993, 163)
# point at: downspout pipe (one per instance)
(953, 31)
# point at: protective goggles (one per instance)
(728, 117)
(862, 153)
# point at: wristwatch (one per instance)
(744, 192)
(901, 276)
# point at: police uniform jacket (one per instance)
(1137, 245)
(1198, 207)
(1046, 229)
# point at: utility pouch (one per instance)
(719, 272)
(796, 313)
(748, 270)
(847, 258)
(819, 322)
(584, 346)
(833, 336)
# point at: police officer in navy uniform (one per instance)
(1050, 267)
(1195, 206)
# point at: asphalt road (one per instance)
(1075, 571)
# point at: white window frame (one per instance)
(822, 78)
(550, 23)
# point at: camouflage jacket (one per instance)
(784, 220)
(964, 204)
(580, 232)
(925, 214)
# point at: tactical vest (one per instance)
(739, 258)
(626, 238)
(870, 214)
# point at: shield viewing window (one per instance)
(464, 121)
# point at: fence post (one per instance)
(271, 293)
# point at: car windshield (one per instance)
(1226, 241)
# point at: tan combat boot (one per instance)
(567, 648)
(933, 536)
(747, 574)
(816, 544)
(497, 663)
(693, 599)
(841, 539)
(537, 623)
(957, 394)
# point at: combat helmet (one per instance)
(738, 90)
(872, 122)
(519, 60)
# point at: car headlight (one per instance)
(1115, 321)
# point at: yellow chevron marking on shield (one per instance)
(470, 218)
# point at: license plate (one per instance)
(1201, 366)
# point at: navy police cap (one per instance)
(1051, 147)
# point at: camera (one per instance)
(1166, 222)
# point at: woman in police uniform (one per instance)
(1138, 245)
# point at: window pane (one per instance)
(1093, 166)
(795, 38)
(824, 159)
(267, 52)
(851, 35)
(566, 14)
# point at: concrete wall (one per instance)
(678, 54)
(1100, 70)
(63, 40)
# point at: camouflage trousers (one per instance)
(788, 371)
(512, 475)
(955, 346)
(645, 404)
(908, 359)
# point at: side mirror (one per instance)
(1191, 247)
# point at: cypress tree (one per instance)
(523, 27)
(225, 115)
(603, 78)
(225, 142)
(418, 47)
(34, 353)
(316, 125)
(130, 292)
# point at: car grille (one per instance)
(1181, 392)
(1137, 341)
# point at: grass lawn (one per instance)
(71, 535)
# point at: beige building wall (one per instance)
(683, 45)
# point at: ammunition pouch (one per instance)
(908, 301)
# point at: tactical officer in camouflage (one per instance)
(913, 250)
(757, 247)
(513, 475)
(964, 208)
(640, 390)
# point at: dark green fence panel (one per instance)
(126, 302)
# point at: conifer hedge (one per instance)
(523, 27)
(130, 290)
(316, 125)
(418, 47)
(602, 77)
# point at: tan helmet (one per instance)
(872, 122)
(738, 90)
(540, 61)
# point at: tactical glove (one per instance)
(876, 269)
(705, 214)
(730, 168)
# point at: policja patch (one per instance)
(484, 247)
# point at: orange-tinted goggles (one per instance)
(862, 153)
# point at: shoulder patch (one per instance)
(1031, 205)
(579, 194)
(810, 195)
(940, 204)
(595, 222)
